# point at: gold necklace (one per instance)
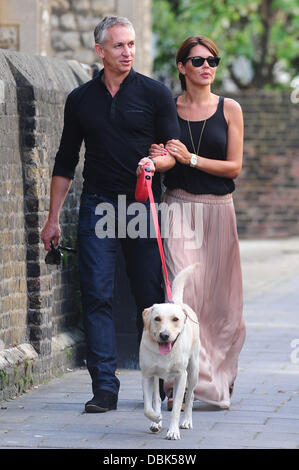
(191, 136)
(199, 140)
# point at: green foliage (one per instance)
(264, 32)
(3, 378)
(68, 353)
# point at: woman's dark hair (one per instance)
(185, 48)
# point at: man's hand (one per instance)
(50, 233)
(145, 161)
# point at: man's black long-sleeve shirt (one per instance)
(117, 132)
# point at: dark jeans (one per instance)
(97, 262)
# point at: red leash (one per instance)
(142, 193)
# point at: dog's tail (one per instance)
(179, 282)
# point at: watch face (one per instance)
(193, 160)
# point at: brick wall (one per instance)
(40, 308)
(267, 196)
(13, 324)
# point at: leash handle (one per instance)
(148, 182)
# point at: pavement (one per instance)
(265, 406)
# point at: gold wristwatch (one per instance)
(193, 161)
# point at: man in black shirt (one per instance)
(118, 114)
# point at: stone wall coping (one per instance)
(41, 72)
(16, 355)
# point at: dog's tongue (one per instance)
(165, 348)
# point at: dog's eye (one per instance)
(157, 319)
(175, 319)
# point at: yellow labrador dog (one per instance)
(169, 349)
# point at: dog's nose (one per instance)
(164, 336)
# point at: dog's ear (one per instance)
(146, 317)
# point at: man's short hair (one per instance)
(100, 31)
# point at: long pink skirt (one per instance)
(208, 236)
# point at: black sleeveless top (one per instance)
(213, 145)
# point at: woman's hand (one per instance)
(178, 150)
(145, 161)
(157, 150)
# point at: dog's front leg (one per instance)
(156, 427)
(178, 396)
(148, 395)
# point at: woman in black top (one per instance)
(201, 222)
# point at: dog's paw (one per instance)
(156, 427)
(173, 434)
(186, 424)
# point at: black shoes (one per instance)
(102, 401)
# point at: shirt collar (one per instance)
(128, 79)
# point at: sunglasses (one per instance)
(54, 256)
(198, 61)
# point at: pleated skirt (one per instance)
(202, 229)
